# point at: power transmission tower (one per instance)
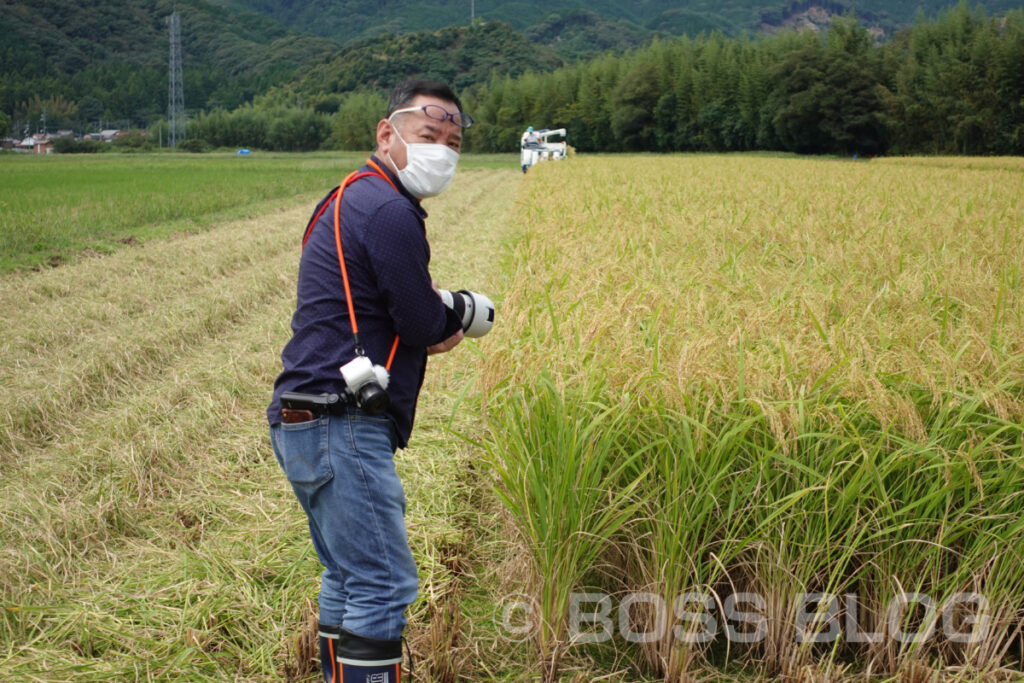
(175, 91)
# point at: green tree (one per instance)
(826, 102)
(950, 92)
(90, 110)
(1009, 81)
(297, 130)
(354, 126)
(72, 146)
(59, 112)
(634, 99)
(133, 140)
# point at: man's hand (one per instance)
(447, 345)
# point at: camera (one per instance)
(366, 384)
(476, 310)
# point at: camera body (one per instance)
(475, 310)
(367, 384)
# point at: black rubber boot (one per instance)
(368, 660)
(329, 636)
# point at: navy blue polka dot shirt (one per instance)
(384, 241)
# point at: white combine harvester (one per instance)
(536, 147)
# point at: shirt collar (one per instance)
(398, 183)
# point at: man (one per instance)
(531, 138)
(339, 457)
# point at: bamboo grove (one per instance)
(952, 86)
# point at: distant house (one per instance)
(8, 143)
(104, 135)
(35, 144)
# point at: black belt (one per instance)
(297, 407)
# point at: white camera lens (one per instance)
(475, 310)
(357, 372)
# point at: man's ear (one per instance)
(385, 136)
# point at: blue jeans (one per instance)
(342, 470)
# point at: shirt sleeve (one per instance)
(399, 257)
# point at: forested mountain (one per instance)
(90, 60)
(351, 20)
(949, 84)
(91, 64)
(460, 55)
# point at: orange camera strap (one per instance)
(351, 178)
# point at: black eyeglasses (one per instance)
(439, 113)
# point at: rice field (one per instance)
(741, 417)
(767, 415)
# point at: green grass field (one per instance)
(710, 375)
(55, 207)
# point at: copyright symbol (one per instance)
(516, 617)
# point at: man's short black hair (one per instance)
(406, 91)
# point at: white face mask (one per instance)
(429, 168)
